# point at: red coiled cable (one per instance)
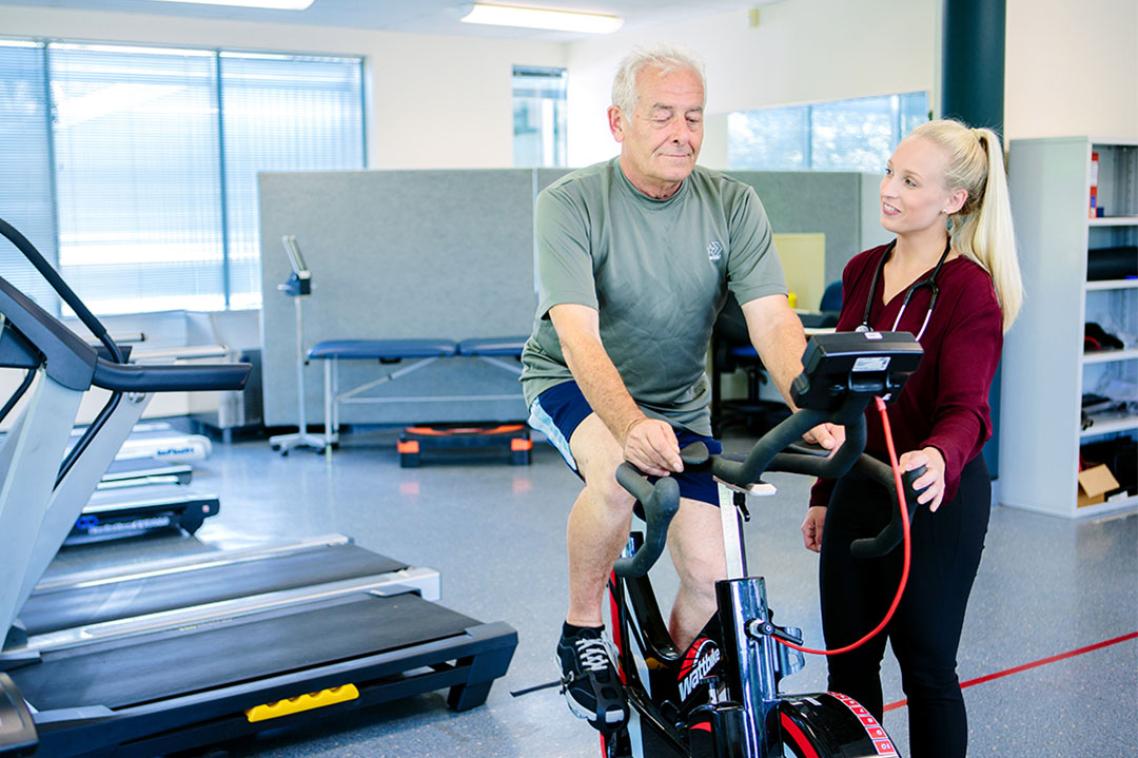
(896, 467)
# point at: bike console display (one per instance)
(836, 366)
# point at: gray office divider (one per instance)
(814, 201)
(543, 177)
(449, 254)
(398, 255)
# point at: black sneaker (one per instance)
(590, 681)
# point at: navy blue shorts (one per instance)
(559, 410)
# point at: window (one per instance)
(25, 165)
(845, 135)
(539, 116)
(152, 156)
(281, 113)
(138, 177)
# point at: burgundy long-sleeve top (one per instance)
(944, 404)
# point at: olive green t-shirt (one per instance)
(657, 271)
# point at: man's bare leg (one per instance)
(598, 526)
(695, 541)
(599, 522)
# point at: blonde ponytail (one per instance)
(982, 229)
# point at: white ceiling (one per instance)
(417, 16)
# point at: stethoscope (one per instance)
(929, 281)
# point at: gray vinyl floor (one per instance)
(495, 532)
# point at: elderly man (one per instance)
(635, 257)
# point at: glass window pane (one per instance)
(137, 177)
(281, 113)
(852, 135)
(539, 116)
(772, 139)
(845, 135)
(25, 171)
(914, 111)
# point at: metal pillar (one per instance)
(972, 90)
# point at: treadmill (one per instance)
(161, 679)
(138, 496)
(136, 472)
(153, 459)
(142, 509)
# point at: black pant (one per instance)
(925, 631)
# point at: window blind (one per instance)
(25, 165)
(137, 176)
(281, 113)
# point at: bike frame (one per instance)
(720, 698)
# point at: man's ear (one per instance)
(616, 123)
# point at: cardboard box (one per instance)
(1094, 483)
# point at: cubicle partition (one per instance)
(399, 255)
(841, 205)
(449, 254)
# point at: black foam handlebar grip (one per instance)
(893, 533)
(660, 501)
(170, 378)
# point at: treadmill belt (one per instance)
(67, 609)
(144, 669)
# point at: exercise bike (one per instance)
(720, 697)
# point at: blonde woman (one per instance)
(951, 278)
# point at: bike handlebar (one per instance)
(777, 450)
(660, 501)
(891, 536)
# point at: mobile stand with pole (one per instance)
(298, 286)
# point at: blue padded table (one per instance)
(422, 351)
(414, 354)
(494, 350)
(497, 346)
(383, 350)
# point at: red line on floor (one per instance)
(1031, 665)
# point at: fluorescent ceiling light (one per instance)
(280, 5)
(543, 18)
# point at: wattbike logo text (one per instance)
(698, 663)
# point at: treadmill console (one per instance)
(836, 366)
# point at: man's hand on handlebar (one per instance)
(930, 485)
(651, 446)
(812, 527)
(829, 436)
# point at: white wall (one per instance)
(445, 102)
(434, 102)
(801, 51)
(1072, 68)
(1071, 65)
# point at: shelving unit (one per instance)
(1110, 356)
(1045, 370)
(1111, 284)
(1113, 221)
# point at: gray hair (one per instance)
(666, 59)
